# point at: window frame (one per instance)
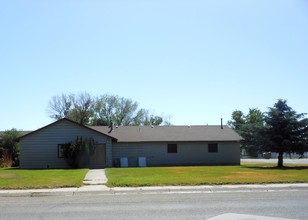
(212, 148)
(172, 148)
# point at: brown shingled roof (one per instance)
(170, 133)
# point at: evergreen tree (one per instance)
(286, 130)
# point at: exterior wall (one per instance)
(40, 149)
(188, 153)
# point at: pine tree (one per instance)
(286, 130)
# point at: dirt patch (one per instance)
(249, 175)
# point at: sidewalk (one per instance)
(95, 177)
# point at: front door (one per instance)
(98, 159)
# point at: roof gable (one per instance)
(67, 120)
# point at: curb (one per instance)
(209, 188)
(104, 190)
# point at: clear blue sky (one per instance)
(197, 61)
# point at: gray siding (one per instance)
(188, 153)
(40, 149)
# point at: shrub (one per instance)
(9, 147)
(6, 160)
(77, 153)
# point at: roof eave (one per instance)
(160, 141)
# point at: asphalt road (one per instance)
(285, 203)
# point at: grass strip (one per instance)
(11, 178)
(246, 173)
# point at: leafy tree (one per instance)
(79, 108)
(143, 117)
(60, 106)
(156, 120)
(286, 130)
(126, 111)
(167, 120)
(249, 127)
(9, 145)
(83, 109)
(102, 110)
(252, 129)
(237, 120)
(119, 110)
(106, 108)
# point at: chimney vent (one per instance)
(111, 127)
(221, 124)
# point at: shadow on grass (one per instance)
(277, 168)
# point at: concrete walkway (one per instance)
(95, 177)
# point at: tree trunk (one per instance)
(280, 159)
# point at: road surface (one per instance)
(283, 203)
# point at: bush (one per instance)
(77, 153)
(6, 160)
(9, 147)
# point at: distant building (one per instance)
(133, 145)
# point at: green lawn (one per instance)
(156, 176)
(11, 178)
(198, 175)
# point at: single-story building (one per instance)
(133, 145)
